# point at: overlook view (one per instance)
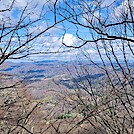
(67, 67)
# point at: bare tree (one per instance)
(22, 24)
(108, 32)
(108, 39)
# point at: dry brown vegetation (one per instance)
(103, 31)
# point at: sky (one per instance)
(51, 41)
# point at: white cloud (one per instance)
(106, 3)
(4, 4)
(23, 3)
(34, 8)
(54, 44)
(91, 51)
(123, 8)
(68, 39)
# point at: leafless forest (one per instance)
(67, 67)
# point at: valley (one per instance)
(64, 94)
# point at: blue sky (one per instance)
(51, 41)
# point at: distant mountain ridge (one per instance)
(39, 70)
